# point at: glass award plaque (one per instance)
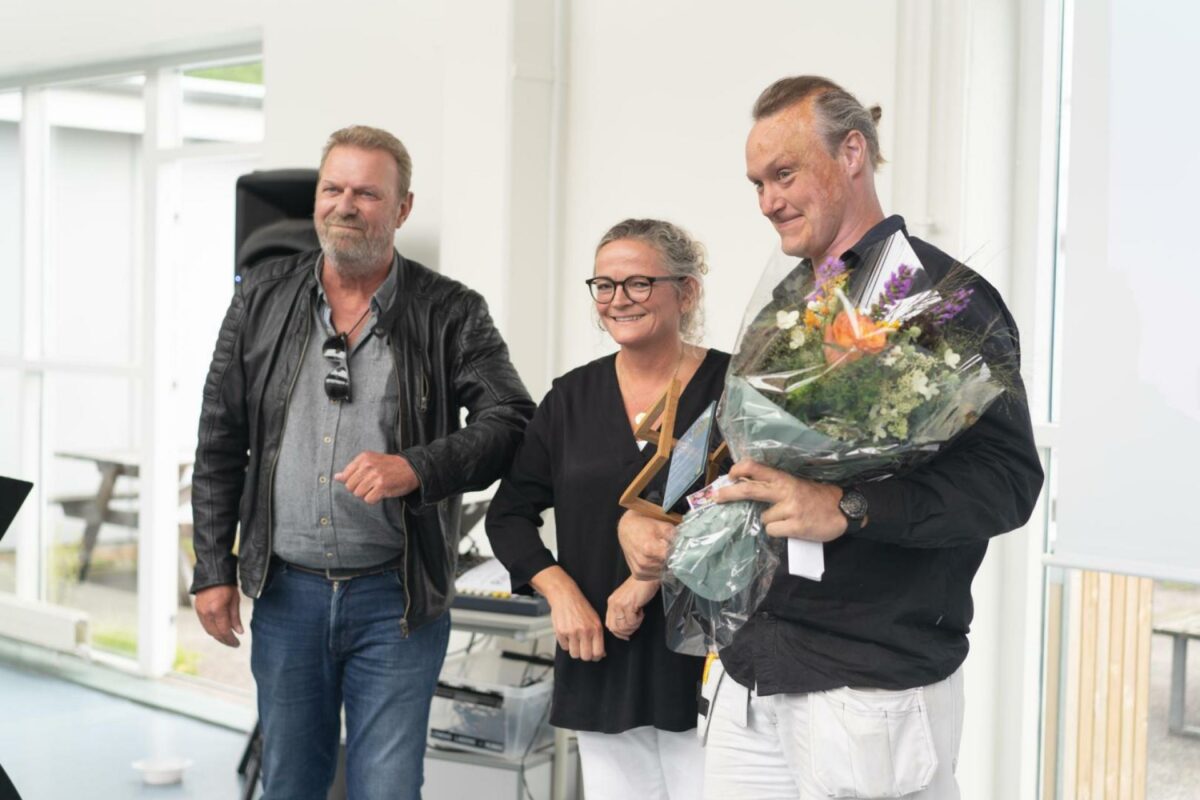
(689, 456)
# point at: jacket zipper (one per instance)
(287, 401)
(404, 629)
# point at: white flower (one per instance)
(786, 320)
(797, 339)
(922, 386)
(891, 357)
(952, 358)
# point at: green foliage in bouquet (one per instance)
(862, 375)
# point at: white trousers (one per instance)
(860, 743)
(641, 764)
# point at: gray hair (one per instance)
(837, 111)
(365, 137)
(682, 257)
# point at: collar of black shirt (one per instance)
(877, 234)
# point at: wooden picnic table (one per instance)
(1181, 626)
(98, 508)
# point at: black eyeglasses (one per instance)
(637, 287)
(337, 382)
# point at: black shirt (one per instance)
(578, 456)
(893, 608)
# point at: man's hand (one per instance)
(799, 509)
(625, 605)
(375, 476)
(576, 624)
(219, 613)
(645, 542)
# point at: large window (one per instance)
(116, 252)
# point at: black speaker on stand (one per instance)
(274, 216)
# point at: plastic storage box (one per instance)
(488, 702)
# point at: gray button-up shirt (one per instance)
(317, 522)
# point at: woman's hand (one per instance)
(576, 624)
(625, 605)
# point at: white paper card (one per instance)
(806, 559)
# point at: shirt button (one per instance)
(323, 479)
(324, 520)
(328, 439)
(329, 555)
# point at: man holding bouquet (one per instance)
(851, 686)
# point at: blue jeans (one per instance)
(317, 644)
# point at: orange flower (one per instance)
(842, 343)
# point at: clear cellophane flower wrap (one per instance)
(719, 568)
(841, 377)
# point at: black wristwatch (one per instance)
(853, 506)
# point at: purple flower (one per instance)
(830, 269)
(824, 273)
(897, 288)
(952, 306)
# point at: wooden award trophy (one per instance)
(662, 416)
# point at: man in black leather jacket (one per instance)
(330, 435)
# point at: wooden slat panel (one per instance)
(1052, 703)
(1104, 723)
(1114, 675)
(1071, 692)
(1087, 685)
(1100, 698)
(1129, 672)
(1145, 625)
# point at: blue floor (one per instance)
(62, 741)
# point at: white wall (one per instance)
(658, 112)
(379, 64)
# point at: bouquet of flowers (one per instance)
(838, 376)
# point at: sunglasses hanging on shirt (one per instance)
(337, 352)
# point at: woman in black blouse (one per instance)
(631, 700)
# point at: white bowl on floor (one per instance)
(162, 771)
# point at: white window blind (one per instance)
(1129, 440)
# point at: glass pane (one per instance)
(223, 103)
(10, 222)
(204, 230)
(93, 193)
(10, 466)
(92, 427)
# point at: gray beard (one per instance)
(359, 260)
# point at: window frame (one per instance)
(150, 369)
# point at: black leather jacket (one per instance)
(448, 356)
